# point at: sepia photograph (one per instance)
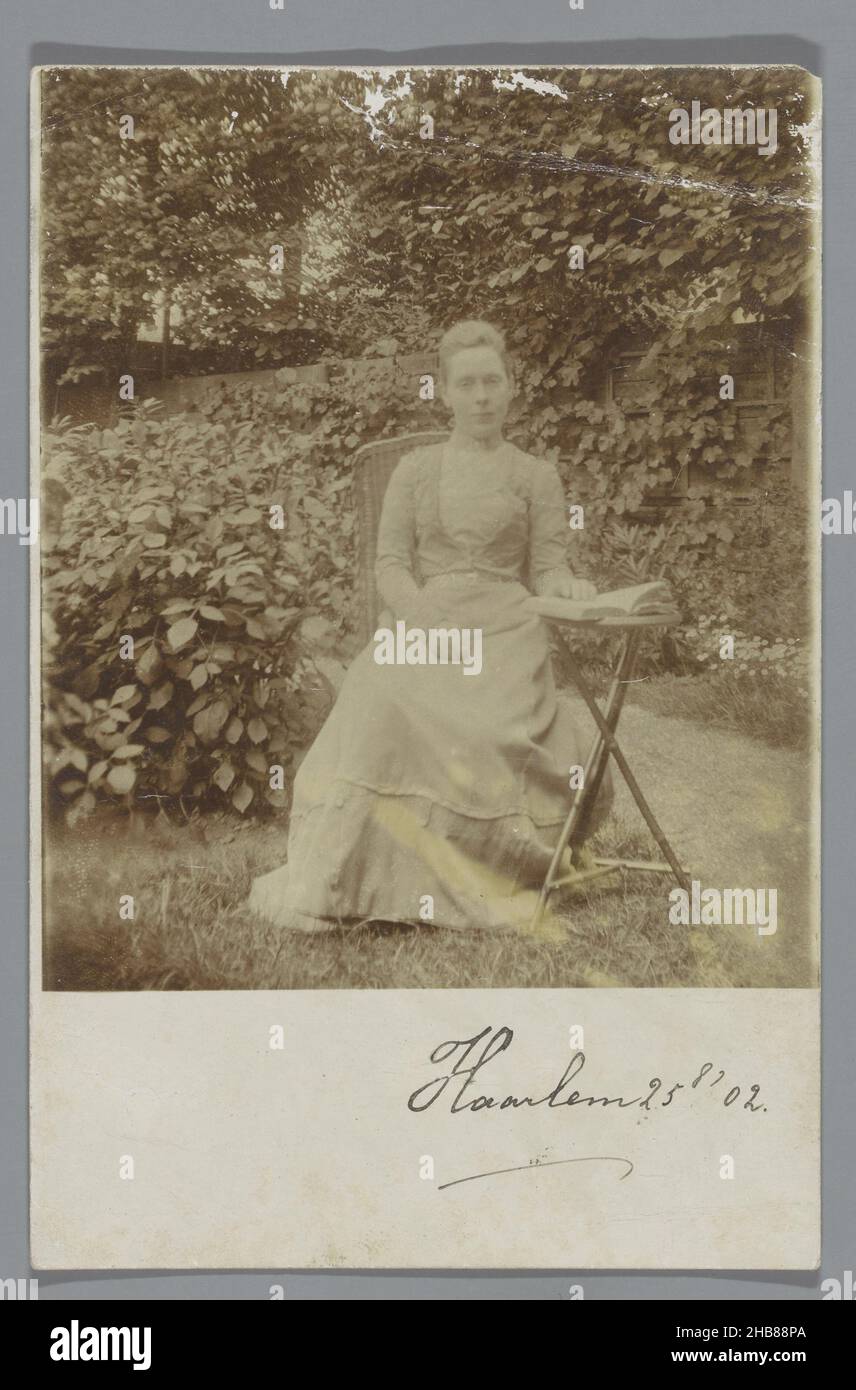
(425, 715)
(428, 464)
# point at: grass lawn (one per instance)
(726, 758)
(191, 928)
(764, 705)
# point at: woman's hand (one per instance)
(566, 586)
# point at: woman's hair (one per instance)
(471, 333)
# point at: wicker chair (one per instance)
(373, 468)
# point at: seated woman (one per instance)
(435, 793)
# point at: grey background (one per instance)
(821, 36)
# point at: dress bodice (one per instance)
(500, 513)
(473, 514)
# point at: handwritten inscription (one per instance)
(461, 1087)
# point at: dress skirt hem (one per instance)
(417, 863)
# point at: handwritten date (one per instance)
(461, 1086)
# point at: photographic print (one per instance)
(427, 661)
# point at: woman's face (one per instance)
(478, 391)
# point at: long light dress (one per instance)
(431, 796)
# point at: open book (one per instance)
(639, 601)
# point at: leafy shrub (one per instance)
(174, 663)
(238, 623)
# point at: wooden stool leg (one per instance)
(604, 747)
(624, 669)
(573, 830)
(570, 825)
(636, 791)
